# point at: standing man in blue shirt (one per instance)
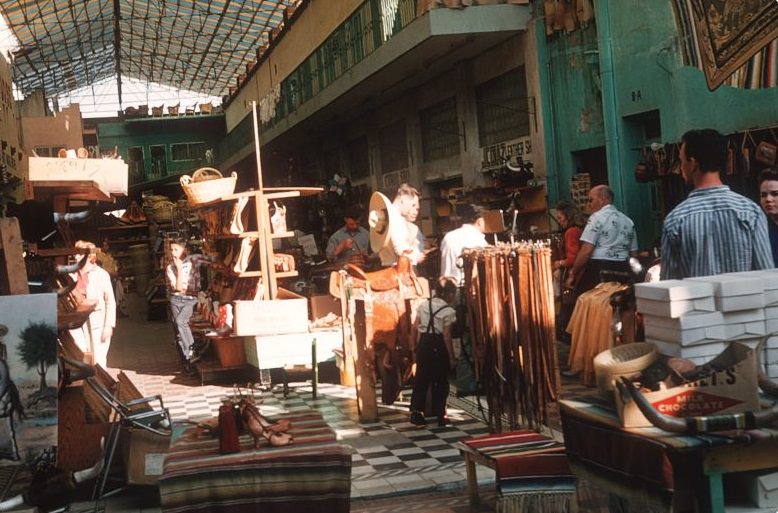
(714, 230)
(768, 198)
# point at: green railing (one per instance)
(372, 24)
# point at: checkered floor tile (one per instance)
(390, 447)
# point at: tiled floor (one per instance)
(390, 457)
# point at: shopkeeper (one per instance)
(350, 243)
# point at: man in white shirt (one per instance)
(606, 242)
(405, 238)
(469, 235)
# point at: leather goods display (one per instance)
(510, 305)
(766, 153)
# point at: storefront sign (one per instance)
(494, 156)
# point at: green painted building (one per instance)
(161, 148)
(620, 84)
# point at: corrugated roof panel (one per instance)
(199, 45)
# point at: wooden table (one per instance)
(517, 456)
(691, 467)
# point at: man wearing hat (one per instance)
(394, 231)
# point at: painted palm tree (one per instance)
(38, 349)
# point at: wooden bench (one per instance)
(530, 469)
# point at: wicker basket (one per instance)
(207, 184)
(162, 211)
(625, 360)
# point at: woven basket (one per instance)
(162, 211)
(207, 184)
(625, 360)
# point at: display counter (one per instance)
(690, 467)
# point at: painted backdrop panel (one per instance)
(28, 376)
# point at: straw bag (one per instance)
(207, 184)
(625, 360)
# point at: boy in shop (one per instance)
(183, 281)
(432, 333)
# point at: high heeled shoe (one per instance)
(259, 427)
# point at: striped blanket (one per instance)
(593, 433)
(313, 473)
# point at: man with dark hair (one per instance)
(714, 230)
(349, 243)
(768, 198)
(469, 235)
(606, 242)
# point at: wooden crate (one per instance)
(286, 314)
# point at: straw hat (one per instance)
(382, 215)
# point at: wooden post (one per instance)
(364, 368)
(13, 275)
(267, 290)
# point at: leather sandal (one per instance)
(246, 251)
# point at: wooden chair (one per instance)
(173, 109)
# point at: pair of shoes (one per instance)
(417, 419)
(189, 369)
(443, 420)
(260, 427)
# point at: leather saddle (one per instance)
(390, 278)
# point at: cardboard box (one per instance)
(740, 330)
(687, 321)
(673, 290)
(743, 316)
(732, 389)
(685, 337)
(708, 350)
(290, 349)
(143, 453)
(675, 308)
(762, 487)
(768, 277)
(286, 314)
(737, 303)
(110, 174)
(725, 285)
(324, 304)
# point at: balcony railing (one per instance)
(371, 25)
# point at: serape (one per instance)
(312, 474)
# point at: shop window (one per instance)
(440, 130)
(158, 161)
(359, 159)
(502, 106)
(394, 147)
(188, 151)
(135, 164)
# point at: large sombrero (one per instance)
(382, 215)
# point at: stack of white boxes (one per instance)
(697, 317)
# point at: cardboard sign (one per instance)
(732, 388)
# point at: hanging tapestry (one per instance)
(725, 35)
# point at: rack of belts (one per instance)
(510, 305)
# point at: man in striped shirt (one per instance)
(714, 230)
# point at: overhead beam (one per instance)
(117, 46)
